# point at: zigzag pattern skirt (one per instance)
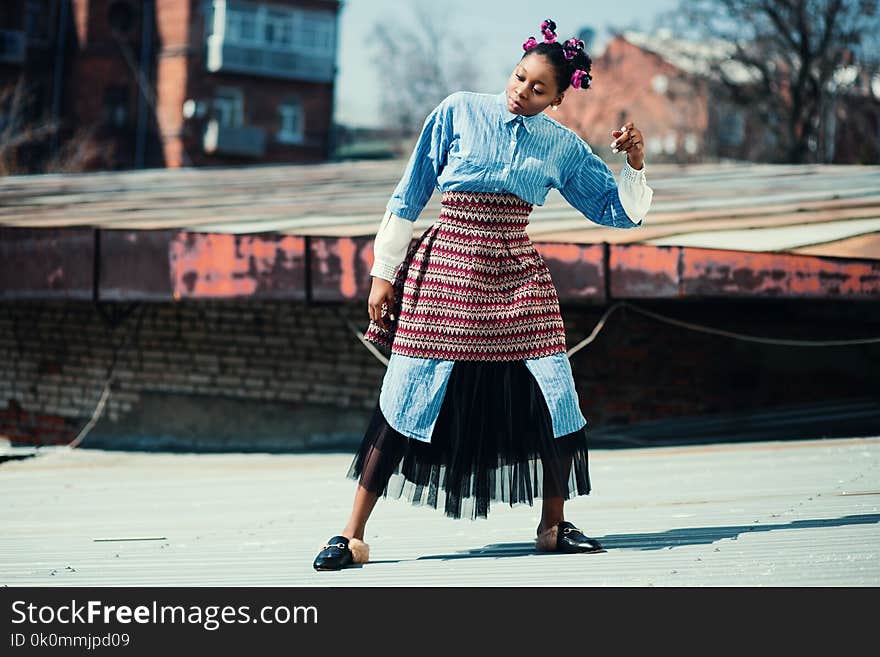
(474, 290)
(473, 287)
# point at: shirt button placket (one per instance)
(509, 160)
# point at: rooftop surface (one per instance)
(828, 210)
(792, 513)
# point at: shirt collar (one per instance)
(528, 122)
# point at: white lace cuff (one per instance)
(635, 195)
(390, 245)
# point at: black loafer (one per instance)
(341, 551)
(565, 537)
(572, 539)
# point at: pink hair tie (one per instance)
(530, 43)
(578, 77)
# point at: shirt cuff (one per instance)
(635, 195)
(633, 176)
(390, 245)
(401, 210)
(383, 270)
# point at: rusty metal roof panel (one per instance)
(52, 263)
(646, 271)
(730, 229)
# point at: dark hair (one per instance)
(555, 53)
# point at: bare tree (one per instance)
(419, 65)
(82, 151)
(18, 131)
(24, 138)
(795, 50)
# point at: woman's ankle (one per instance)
(552, 513)
(353, 533)
(546, 524)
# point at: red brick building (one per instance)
(664, 86)
(170, 83)
(637, 77)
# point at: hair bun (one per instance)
(548, 27)
(572, 47)
(580, 79)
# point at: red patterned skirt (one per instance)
(473, 287)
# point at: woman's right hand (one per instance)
(381, 292)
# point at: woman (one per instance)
(478, 402)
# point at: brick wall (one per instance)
(282, 375)
(223, 373)
(641, 377)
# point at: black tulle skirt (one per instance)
(492, 441)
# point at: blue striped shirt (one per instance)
(413, 390)
(472, 142)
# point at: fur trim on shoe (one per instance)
(546, 540)
(360, 551)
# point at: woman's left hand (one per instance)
(629, 139)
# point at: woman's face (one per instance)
(531, 87)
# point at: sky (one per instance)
(499, 26)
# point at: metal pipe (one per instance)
(146, 37)
(59, 73)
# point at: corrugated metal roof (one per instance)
(764, 514)
(774, 239)
(821, 209)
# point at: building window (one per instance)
(241, 26)
(228, 106)
(732, 128)
(116, 105)
(670, 144)
(290, 114)
(660, 83)
(691, 143)
(317, 32)
(276, 28)
(270, 39)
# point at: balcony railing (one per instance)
(224, 56)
